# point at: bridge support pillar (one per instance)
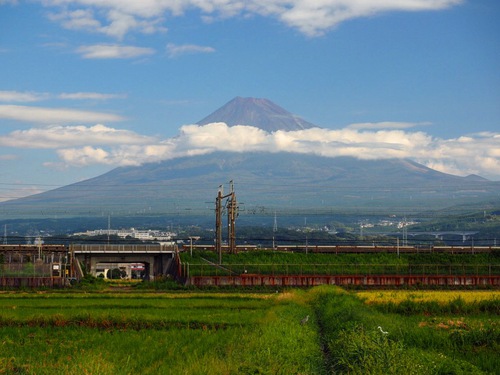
(156, 258)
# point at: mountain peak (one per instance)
(258, 112)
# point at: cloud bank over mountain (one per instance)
(78, 146)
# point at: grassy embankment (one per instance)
(201, 263)
(248, 333)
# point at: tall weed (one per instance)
(362, 340)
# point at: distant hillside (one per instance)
(263, 181)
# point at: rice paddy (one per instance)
(193, 332)
(440, 296)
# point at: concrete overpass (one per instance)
(157, 258)
(440, 234)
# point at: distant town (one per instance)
(143, 235)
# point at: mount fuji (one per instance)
(264, 181)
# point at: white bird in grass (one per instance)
(381, 330)
(304, 321)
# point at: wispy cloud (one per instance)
(16, 96)
(117, 22)
(19, 191)
(26, 97)
(113, 51)
(8, 157)
(117, 18)
(90, 96)
(67, 136)
(386, 125)
(54, 115)
(174, 50)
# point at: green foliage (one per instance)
(89, 282)
(194, 332)
(357, 346)
(359, 351)
(457, 306)
(115, 273)
(205, 263)
(151, 333)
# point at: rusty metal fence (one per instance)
(36, 269)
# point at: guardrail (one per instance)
(122, 249)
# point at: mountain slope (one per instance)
(261, 113)
(264, 181)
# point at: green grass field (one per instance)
(192, 332)
(204, 263)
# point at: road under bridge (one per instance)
(157, 258)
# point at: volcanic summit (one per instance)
(260, 113)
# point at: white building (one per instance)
(143, 235)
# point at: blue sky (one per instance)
(88, 85)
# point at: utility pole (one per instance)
(232, 208)
(405, 233)
(232, 213)
(5, 234)
(191, 238)
(275, 229)
(218, 223)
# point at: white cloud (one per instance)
(26, 97)
(116, 18)
(116, 24)
(314, 18)
(78, 19)
(64, 136)
(83, 146)
(474, 154)
(386, 125)
(174, 50)
(90, 96)
(16, 96)
(120, 156)
(113, 51)
(54, 115)
(85, 156)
